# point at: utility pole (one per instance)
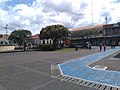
(92, 11)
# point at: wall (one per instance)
(6, 48)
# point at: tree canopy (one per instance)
(17, 36)
(84, 34)
(54, 32)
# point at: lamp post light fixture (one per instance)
(106, 20)
(104, 32)
(17, 38)
(24, 44)
(6, 27)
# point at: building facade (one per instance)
(35, 39)
(112, 29)
(112, 33)
(109, 34)
(4, 39)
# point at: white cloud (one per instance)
(3, 1)
(70, 13)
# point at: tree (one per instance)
(18, 36)
(84, 34)
(54, 32)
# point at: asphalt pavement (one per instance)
(32, 70)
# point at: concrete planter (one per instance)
(6, 48)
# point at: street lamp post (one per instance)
(6, 27)
(104, 32)
(17, 40)
(24, 46)
(92, 11)
(25, 42)
(106, 20)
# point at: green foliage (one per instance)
(54, 32)
(19, 35)
(46, 47)
(6, 45)
(84, 34)
(66, 50)
(100, 32)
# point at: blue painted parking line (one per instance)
(79, 68)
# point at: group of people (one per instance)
(104, 47)
(101, 46)
(113, 45)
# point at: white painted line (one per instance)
(102, 56)
(60, 69)
(114, 59)
(93, 81)
(91, 68)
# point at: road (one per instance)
(32, 70)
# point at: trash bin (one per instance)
(76, 48)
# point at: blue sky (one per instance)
(33, 15)
(15, 2)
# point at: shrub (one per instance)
(6, 45)
(46, 47)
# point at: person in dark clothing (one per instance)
(100, 47)
(114, 44)
(104, 46)
(89, 46)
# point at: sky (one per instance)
(34, 15)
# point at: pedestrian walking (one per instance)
(100, 46)
(114, 45)
(89, 46)
(104, 46)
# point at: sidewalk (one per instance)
(79, 68)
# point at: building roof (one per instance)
(86, 28)
(36, 36)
